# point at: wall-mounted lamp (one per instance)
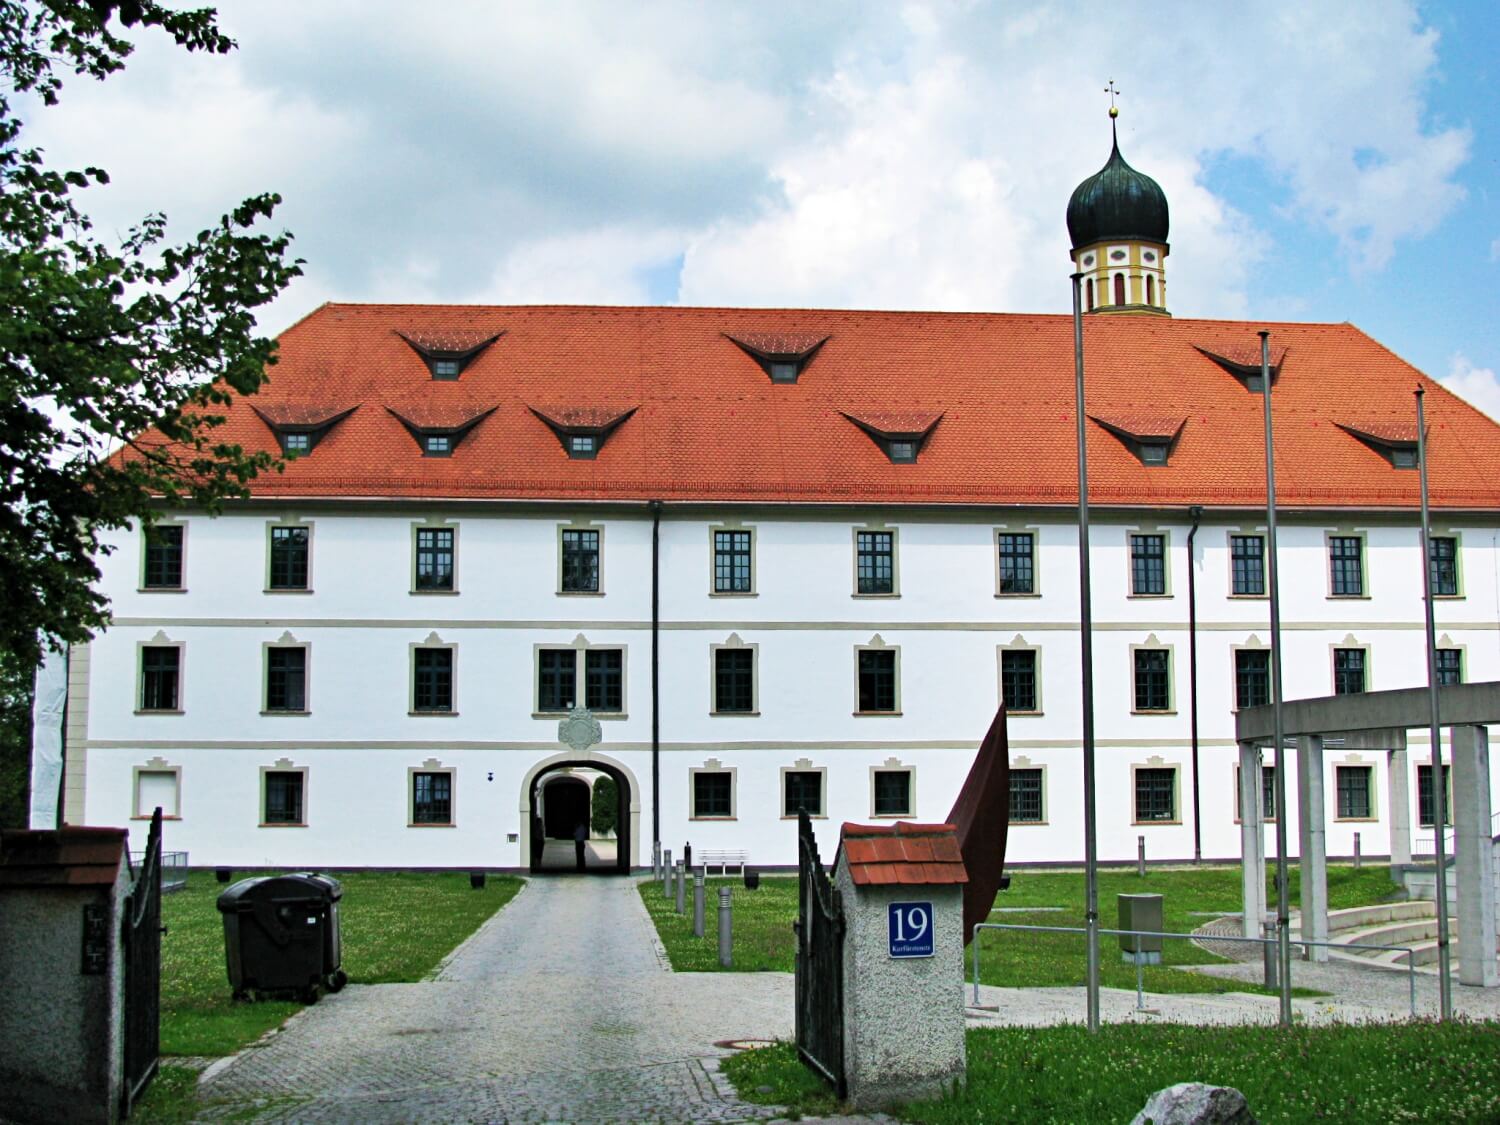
(490, 776)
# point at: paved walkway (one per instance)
(561, 1008)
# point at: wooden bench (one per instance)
(723, 860)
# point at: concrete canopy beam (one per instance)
(1458, 705)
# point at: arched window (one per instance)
(1091, 294)
(1150, 290)
(1119, 288)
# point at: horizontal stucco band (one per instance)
(1008, 626)
(625, 747)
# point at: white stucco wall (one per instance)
(360, 618)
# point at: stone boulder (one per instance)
(1196, 1103)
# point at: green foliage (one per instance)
(763, 936)
(396, 926)
(1418, 1071)
(605, 815)
(15, 741)
(117, 360)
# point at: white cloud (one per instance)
(1478, 386)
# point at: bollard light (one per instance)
(698, 877)
(678, 872)
(1140, 856)
(666, 873)
(726, 939)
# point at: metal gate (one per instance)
(820, 963)
(142, 940)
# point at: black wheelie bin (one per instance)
(281, 935)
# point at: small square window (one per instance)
(1156, 794)
(1026, 796)
(300, 442)
(877, 680)
(582, 446)
(437, 445)
(286, 679)
(283, 795)
(783, 371)
(713, 794)
(432, 798)
(901, 450)
(446, 368)
(432, 680)
(893, 793)
(802, 790)
(875, 562)
(163, 570)
(1403, 457)
(1153, 453)
(1353, 786)
(157, 789)
(161, 674)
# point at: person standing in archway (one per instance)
(580, 841)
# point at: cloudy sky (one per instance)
(1324, 161)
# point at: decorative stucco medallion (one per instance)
(580, 730)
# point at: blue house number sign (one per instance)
(909, 925)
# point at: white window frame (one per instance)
(714, 766)
(892, 765)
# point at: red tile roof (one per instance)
(450, 341)
(787, 345)
(64, 857)
(583, 417)
(710, 427)
(902, 853)
(1398, 431)
(302, 414)
(1142, 426)
(889, 423)
(428, 414)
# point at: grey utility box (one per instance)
(1140, 912)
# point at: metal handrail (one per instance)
(1411, 969)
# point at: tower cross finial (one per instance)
(1112, 90)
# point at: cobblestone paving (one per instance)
(561, 1008)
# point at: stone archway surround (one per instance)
(594, 760)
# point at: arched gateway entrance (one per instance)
(552, 800)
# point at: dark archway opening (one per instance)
(565, 805)
(558, 802)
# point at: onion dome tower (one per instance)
(1118, 222)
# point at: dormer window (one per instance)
(300, 426)
(439, 429)
(1150, 438)
(1243, 362)
(1396, 441)
(447, 351)
(900, 435)
(583, 431)
(781, 355)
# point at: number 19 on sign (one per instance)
(909, 925)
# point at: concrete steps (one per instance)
(1412, 924)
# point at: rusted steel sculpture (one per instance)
(981, 814)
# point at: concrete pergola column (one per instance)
(1312, 837)
(1398, 777)
(1252, 840)
(1474, 854)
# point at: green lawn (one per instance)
(396, 926)
(764, 940)
(1371, 1072)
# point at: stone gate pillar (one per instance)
(1312, 839)
(1474, 856)
(1398, 773)
(902, 889)
(1252, 840)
